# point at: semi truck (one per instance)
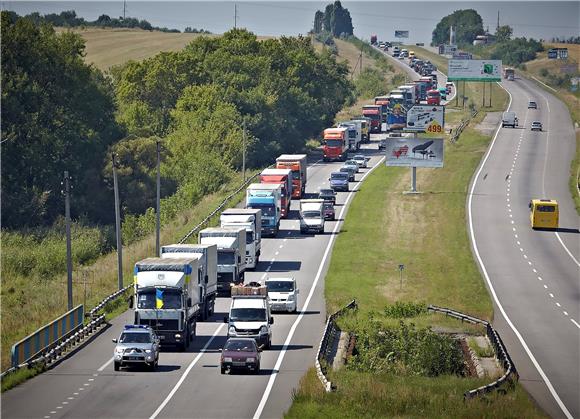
(167, 298)
(509, 73)
(354, 133)
(251, 220)
(282, 177)
(373, 112)
(207, 265)
(383, 102)
(410, 93)
(267, 198)
(231, 251)
(335, 144)
(298, 164)
(364, 126)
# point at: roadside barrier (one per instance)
(462, 126)
(501, 353)
(326, 345)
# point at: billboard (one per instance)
(462, 55)
(426, 118)
(401, 34)
(414, 152)
(445, 49)
(474, 70)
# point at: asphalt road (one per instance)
(534, 276)
(189, 384)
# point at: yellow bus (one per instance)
(544, 213)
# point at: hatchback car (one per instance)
(240, 354)
(339, 181)
(532, 105)
(328, 195)
(328, 211)
(536, 126)
(137, 345)
(352, 163)
(361, 160)
(350, 171)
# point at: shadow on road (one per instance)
(567, 230)
(290, 347)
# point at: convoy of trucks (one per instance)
(231, 254)
(251, 220)
(166, 298)
(266, 197)
(207, 280)
(298, 164)
(283, 177)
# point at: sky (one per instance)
(537, 19)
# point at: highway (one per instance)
(189, 384)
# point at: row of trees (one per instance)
(60, 114)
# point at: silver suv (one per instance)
(137, 345)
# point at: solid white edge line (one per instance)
(276, 369)
(185, 374)
(490, 285)
(566, 249)
(105, 365)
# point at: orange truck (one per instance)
(282, 177)
(297, 163)
(335, 144)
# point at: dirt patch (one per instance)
(489, 123)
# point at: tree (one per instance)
(335, 20)
(467, 24)
(318, 21)
(503, 33)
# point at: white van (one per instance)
(282, 294)
(509, 119)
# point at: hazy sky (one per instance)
(538, 19)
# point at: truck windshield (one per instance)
(295, 174)
(159, 298)
(280, 286)
(226, 258)
(267, 209)
(249, 237)
(248, 314)
(311, 214)
(333, 143)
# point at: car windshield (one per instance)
(248, 314)
(311, 214)
(159, 299)
(328, 206)
(267, 209)
(350, 162)
(326, 192)
(240, 346)
(338, 176)
(280, 286)
(358, 158)
(344, 169)
(135, 337)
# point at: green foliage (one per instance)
(544, 72)
(503, 33)
(467, 24)
(404, 350)
(57, 114)
(335, 20)
(371, 83)
(516, 51)
(402, 309)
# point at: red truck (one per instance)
(433, 97)
(281, 177)
(335, 144)
(297, 163)
(373, 112)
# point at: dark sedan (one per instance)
(328, 211)
(240, 354)
(328, 195)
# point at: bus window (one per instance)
(543, 213)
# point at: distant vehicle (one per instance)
(283, 294)
(382, 144)
(296, 163)
(509, 73)
(544, 213)
(433, 97)
(328, 211)
(411, 54)
(420, 44)
(443, 92)
(249, 315)
(240, 354)
(449, 86)
(361, 160)
(374, 39)
(536, 126)
(327, 195)
(509, 119)
(339, 181)
(353, 163)
(311, 216)
(532, 105)
(351, 170)
(137, 345)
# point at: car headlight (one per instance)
(232, 330)
(227, 359)
(250, 359)
(118, 350)
(290, 298)
(263, 330)
(147, 351)
(177, 335)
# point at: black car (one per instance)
(328, 195)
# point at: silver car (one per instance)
(352, 163)
(361, 160)
(137, 345)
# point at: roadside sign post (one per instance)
(401, 268)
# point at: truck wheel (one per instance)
(117, 366)
(269, 343)
(223, 370)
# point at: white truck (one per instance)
(251, 220)
(231, 254)
(208, 268)
(311, 216)
(250, 315)
(167, 298)
(409, 91)
(354, 133)
(282, 294)
(268, 198)
(509, 119)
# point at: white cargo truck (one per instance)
(231, 250)
(167, 298)
(251, 220)
(208, 267)
(354, 133)
(311, 216)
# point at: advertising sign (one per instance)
(401, 34)
(426, 118)
(462, 55)
(414, 152)
(447, 49)
(474, 70)
(561, 53)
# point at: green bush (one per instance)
(403, 309)
(544, 72)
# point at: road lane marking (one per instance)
(576, 323)
(565, 313)
(105, 365)
(558, 304)
(565, 248)
(184, 376)
(489, 283)
(276, 368)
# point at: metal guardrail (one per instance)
(462, 126)
(108, 299)
(500, 352)
(324, 348)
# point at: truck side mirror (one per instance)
(189, 302)
(226, 319)
(297, 292)
(271, 321)
(114, 340)
(206, 279)
(239, 259)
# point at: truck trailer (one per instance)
(283, 177)
(251, 220)
(298, 164)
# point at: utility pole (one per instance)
(244, 152)
(124, 8)
(158, 203)
(118, 224)
(497, 21)
(235, 16)
(69, 282)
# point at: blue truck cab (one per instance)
(268, 198)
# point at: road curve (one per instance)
(189, 384)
